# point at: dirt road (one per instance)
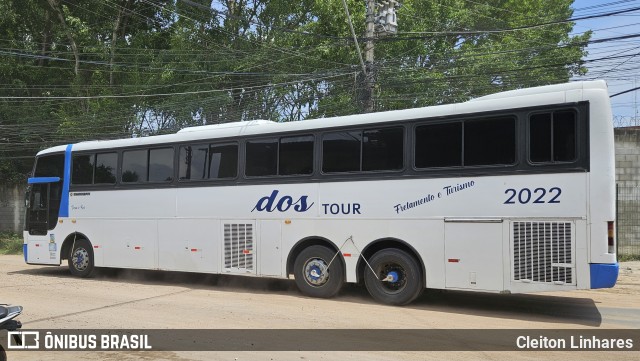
(147, 299)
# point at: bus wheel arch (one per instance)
(309, 261)
(78, 252)
(68, 242)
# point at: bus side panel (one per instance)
(38, 252)
(270, 259)
(191, 245)
(601, 176)
(130, 243)
(473, 255)
(124, 204)
(583, 274)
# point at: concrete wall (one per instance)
(11, 208)
(628, 156)
(628, 183)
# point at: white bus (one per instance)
(511, 193)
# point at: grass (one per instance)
(628, 257)
(10, 243)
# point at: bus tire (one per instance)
(313, 277)
(80, 260)
(401, 274)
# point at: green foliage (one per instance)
(448, 67)
(628, 257)
(9, 171)
(10, 243)
(140, 68)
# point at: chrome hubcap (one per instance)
(316, 272)
(80, 259)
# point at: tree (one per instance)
(476, 49)
(144, 67)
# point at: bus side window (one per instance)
(341, 152)
(83, 169)
(380, 149)
(261, 158)
(438, 145)
(223, 161)
(552, 137)
(564, 136)
(383, 149)
(105, 168)
(208, 161)
(161, 165)
(296, 155)
(134, 166)
(490, 141)
(193, 162)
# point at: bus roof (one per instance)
(549, 94)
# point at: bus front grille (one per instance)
(542, 252)
(238, 246)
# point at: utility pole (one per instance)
(381, 22)
(369, 76)
(635, 102)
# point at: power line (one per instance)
(624, 92)
(525, 27)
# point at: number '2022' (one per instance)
(538, 195)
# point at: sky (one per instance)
(623, 72)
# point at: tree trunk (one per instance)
(56, 7)
(46, 39)
(114, 38)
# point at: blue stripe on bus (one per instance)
(24, 251)
(604, 275)
(64, 202)
(38, 180)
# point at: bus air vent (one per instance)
(238, 246)
(542, 252)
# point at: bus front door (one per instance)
(42, 207)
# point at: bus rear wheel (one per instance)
(313, 274)
(396, 278)
(80, 259)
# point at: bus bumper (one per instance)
(604, 275)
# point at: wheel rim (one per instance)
(80, 259)
(393, 278)
(316, 272)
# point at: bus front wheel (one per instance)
(80, 258)
(396, 278)
(314, 275)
